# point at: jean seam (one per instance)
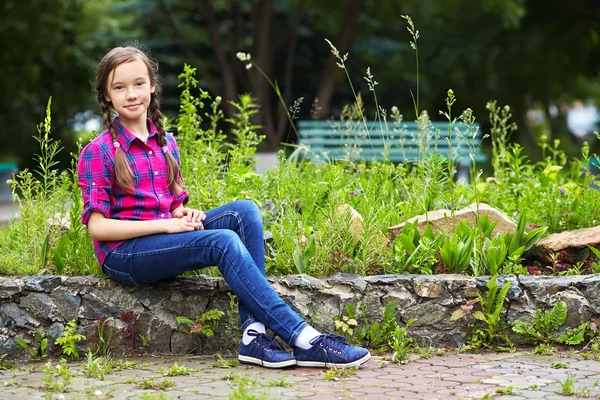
(124, 274)
(238, 219)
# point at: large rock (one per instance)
(577, 238)
(444, 220)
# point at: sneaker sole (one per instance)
(266, 364)
(319, 364)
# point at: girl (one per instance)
(134, 208)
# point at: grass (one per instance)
(302, 201)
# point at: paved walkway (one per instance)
(451, 376)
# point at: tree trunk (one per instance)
(283, 126)
(207, 11)
(262, 54)
(343, 44)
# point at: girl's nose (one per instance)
(131, 93)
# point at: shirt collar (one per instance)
(125, 137)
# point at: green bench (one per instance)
(398, 143)
(6, 171)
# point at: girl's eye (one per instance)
(140, 83)
(118, 87)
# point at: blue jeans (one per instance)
(232, 240)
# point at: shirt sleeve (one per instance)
(94, 177)
(183, 197)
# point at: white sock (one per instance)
(258, 327)
(306, 335)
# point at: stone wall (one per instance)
(48, 302)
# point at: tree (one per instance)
(48, 51)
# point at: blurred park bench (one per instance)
(398, 143)
(6, 171)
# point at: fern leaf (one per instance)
(558, 315)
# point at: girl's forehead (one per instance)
(130, 70)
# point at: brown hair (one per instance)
(112, 59)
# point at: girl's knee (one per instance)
(247, 209)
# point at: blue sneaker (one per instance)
(263, 350)
(331, 351)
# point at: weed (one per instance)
(223, 363)
(506, 390)
(68, 338)
(103, 326)
(155, 385)
(97, 367)
(205, 324)
(491, 317)
(130, 331)
(334, 374)
(130, 380)
(151, 396)
(401, 343)
(12, 382)
(52, 375)
(38, 350)
(176, 370)
(245, 388)
(121, 365)
(543, 331)
(557, 365)
(4, 365)
(281, 382)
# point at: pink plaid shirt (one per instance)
(151, 197)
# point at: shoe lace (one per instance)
(331, 342)
(264, 340)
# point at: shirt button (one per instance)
(160, 195)
(150, 152)
(155, 172)
(93, 183)
(162, 215)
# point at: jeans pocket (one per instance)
(121, 277)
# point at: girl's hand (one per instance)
(178, 225)
(191, 215)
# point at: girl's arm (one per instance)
(106, 229)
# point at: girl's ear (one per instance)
(152, 89)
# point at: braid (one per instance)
(173, 168)
(123, 173)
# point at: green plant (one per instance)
(334, 374)
(346, 324)
(543, 330)
(102, 346)
(304, 253)
(557, 365)
(144, 339)
(176, 370)
(401, 343)
(375, 336)
(4, 365)
(205, 324)
(489, 332)
(151, 396)
(155, 385)
(281, 382)
(40, 343)
(97, 367)
(246, 388)
(51, 377)
(68, 338)
(506, 390)
(223, 363)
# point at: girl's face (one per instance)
(129, 90)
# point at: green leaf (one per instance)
(457, 314)
(479, 315)
(558, 315)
